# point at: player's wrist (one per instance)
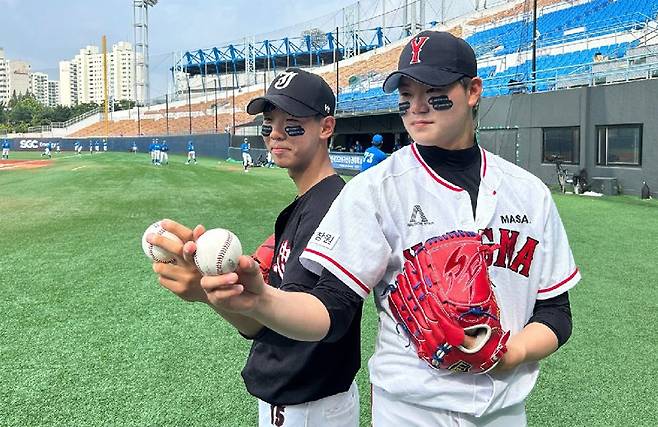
(514, 356)
(264, 305)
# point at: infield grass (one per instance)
(88, 337)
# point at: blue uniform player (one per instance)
(191, 154)
(91, 147)
(5, 149)
(97, 146)
(156, 152)
(164, 157)
(246, 156)
(373, 154)
(134, 147)
(105, 146)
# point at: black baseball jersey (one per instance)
(283, 371)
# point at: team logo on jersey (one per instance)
(284, 79)
(513, 253)
(282, 258)
(418, 217)
(416, 47)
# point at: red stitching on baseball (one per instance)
(222, 252)
(160, 232)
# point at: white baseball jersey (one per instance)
(386, 211)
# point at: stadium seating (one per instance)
(570, 34)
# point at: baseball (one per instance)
(156, 253)
(217, 252)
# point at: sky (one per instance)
(44, 32)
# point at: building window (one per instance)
(563, 142)
(619, 145)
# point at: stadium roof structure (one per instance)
(307, 50)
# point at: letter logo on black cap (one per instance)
(284, 79)
(416, 47)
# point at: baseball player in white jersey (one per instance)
(441, 183)
(46, 151)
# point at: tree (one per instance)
(25, 110)
(3, 113)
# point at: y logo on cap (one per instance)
(416, 47)
(284, 79)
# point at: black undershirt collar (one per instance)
(460, 167)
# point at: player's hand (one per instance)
(237, 292)
(182, 277)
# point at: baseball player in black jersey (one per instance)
(298, 382)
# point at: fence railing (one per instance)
(63, 125)
(74, 120)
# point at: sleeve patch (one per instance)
(324, 239)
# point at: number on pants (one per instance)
(276, 415)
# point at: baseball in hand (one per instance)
(156, 253)
(217, 252)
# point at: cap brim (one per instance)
(426, 75)
(285, 103)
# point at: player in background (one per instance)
(373, 155)
(104, 146)
(97, 146)
(191, 154)
(441, 183)
(157, 152)
(58, 148)
(164, 149)
(46, 151)
(245, 147)
(297, 382)
(91, 147)
(78, 147)
(270, 161)
(134, 147)
(6, 146)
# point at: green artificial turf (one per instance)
(89, 338)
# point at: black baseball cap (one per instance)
(434, 58)
(298, 93)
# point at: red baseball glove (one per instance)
(446, 293)
(264, 256)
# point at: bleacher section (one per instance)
(571, 34)
(599, 20)
(594, 18)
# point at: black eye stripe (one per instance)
(296, 130)
(441, 102)
(266, 130)
(403, 107)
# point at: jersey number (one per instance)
(369, 157)
(276, 415)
